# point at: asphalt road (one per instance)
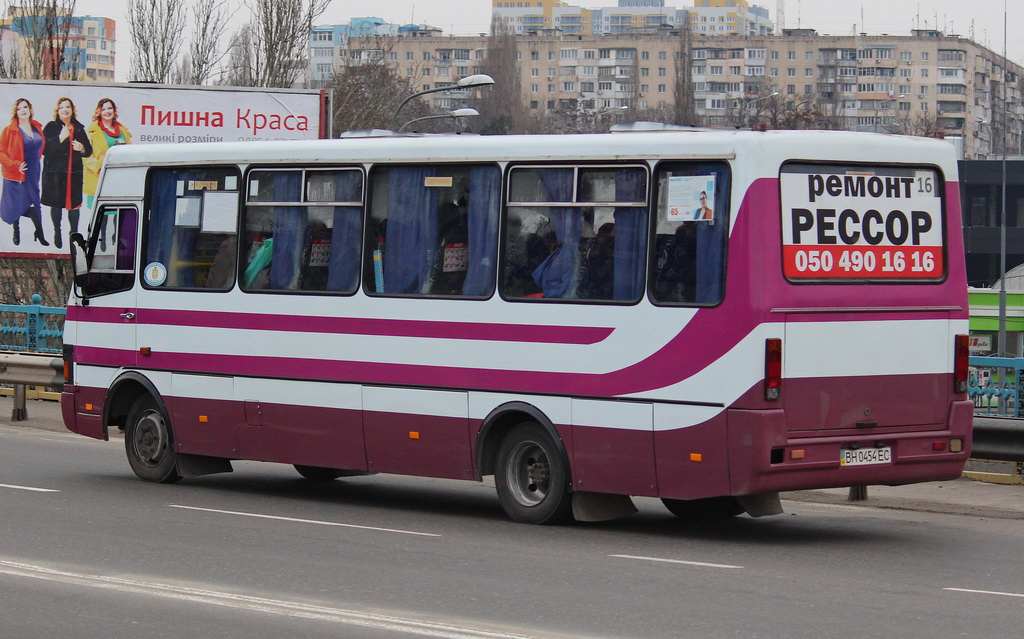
(87, 550)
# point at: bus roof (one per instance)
(771, 148)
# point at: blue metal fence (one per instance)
(32, 327)
(994, 396)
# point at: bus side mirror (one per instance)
(79, 258)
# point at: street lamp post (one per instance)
(468, 82)
(457, 113)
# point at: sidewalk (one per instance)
(960, 497)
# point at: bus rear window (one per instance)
(862, 224)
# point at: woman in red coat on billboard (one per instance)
(66, 144)
(21, 150)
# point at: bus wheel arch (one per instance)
(497, 425)
(123, 393)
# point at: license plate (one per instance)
(865, 456)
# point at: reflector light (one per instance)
(696, 457)
(796, 454)
(772, 368)
(413, 435)
(938, 445)
(961, 360)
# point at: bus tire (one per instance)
(148, 442)
(706, 509)
(532, 477)
(318, 473)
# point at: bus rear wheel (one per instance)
(148, 442)
(705, 509)
(532, 477)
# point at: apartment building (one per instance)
(718, 17)
(922, 84)
(89, 52)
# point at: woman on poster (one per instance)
(104, 132)
(21, 150)
(66, 145)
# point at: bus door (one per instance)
(106, 321)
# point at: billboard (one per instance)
(54, 136)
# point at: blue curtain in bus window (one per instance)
(412, 231)
(127, 220)
(630, 235)
(711, 240)
(557, 274)
(484, 193)
(346, 234)
(289, 231)
(160, 230)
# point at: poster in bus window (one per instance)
(691, 198)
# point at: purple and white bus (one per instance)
(705, 317)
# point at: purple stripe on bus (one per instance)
(351, 325)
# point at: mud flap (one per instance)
(761, 505)
(601, 506)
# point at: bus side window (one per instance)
(433, 230)
(302, 230)
(191, 228)
(592, 247)
(692, 224)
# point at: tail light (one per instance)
(961, 361)
(69, 360)
(772, 368)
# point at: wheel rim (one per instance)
(149, 439)
(528, 473)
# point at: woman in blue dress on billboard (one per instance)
(66, 145)
(21, 149)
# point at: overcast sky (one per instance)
(980, 19)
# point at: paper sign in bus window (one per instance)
(219, 212)
(691, 198)
(187, 210)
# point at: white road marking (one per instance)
(676, 561)
(421, 627)
(987, 592)
(35, 490)
(305, 521)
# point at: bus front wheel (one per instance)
(148, 442)
(532, 477)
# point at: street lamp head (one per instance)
(457, 113)
(476, 80)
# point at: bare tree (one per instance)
(367, 91)
(209, 24)
(156, 28)
(10, 61)
(271, 50)
(685, 108)
(45, 30)
(501, 107)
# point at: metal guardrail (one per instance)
(29, 337)
(998, 423)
